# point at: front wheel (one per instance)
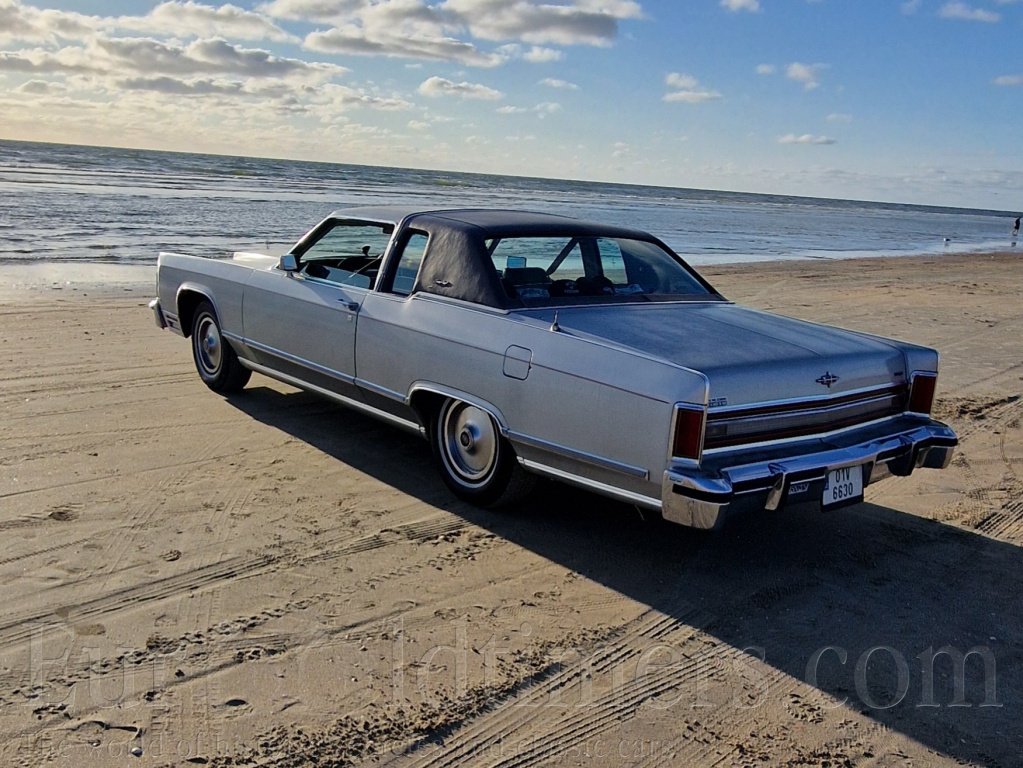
(475, 461)
(215, 359)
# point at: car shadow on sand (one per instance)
(876, 587)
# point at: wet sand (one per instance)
(268, 579)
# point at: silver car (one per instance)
(527, 344)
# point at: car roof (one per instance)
(459, 264)
(494, 222)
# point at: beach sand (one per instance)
(269, 579)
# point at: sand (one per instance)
(268, 579)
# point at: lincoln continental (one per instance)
(526, 345)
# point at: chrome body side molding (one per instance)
(338, 398)
(647, 502)
(586, 458)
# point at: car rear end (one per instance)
(823, 449)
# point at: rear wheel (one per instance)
(475, 461)
(215, 360)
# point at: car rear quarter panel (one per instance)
(578, 395)
(222, 281)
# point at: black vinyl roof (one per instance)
(458, 262)
(493, 222)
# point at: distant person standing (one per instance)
(1015, 227)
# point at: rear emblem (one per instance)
(827, 379)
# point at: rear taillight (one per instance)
(921, 393)
(687, 440)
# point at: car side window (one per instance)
(347, 254)
(408, 265)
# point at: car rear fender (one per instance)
(188, 297)
(425, 396)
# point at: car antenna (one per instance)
(555, 328)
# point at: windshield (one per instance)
(549, 271)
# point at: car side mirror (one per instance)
(289, 262)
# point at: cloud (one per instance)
(1009, 80)
(576, 22)
(439, 30)
(687, 89)
(208, 56)
(192, 19)
(313, 10)
(839, 117)
(807, 74)
(439, 86)
(146, 56)
(806, 138)
(540, 55)
(540, 110)
(353, 41)
(32, 25)
(911, 6)
(968, 13)
(169, 19)
(753, 6)
(681, 81)
(766, 69)
(40, 87)
(553, 82)
(418, 125)
(534, 55)
(181, 87)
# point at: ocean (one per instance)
(61, 203)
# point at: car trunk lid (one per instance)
(750, 357)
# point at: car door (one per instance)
(303, 323)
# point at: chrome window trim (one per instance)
(345, 401)
(571, 453)
(630, 497)
(461, 303)
(410, 230)
(397, 226)
(666, 303)
(329, 283)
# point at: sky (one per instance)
(911, 101)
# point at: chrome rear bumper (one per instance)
(726, 484)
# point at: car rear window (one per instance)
(548, 271)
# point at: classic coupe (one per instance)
(529, 344)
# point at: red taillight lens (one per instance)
(921, 393)
(687, 442)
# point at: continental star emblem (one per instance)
(827, 379)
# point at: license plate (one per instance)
(844, 486)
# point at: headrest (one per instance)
(526, 276)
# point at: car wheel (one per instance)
(215, 359)
(475, 461)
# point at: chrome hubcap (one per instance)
(208, 345)
(470, 441)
